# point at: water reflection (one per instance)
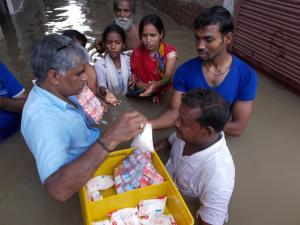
(69, 16)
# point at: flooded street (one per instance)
(267, 156)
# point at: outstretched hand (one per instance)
(152, 88)
(110, 98)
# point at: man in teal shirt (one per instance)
(66, 146)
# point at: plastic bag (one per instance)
(144, 140)
(97, 184)
(152, 207)
(102, 222)
(90, 104)
(136, 171)
(158, 220)
(127, 216)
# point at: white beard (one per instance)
(124, 23)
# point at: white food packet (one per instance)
(100, 183)
(152, 207)
(144, 140)
(127, 216)
(94, 196)
(158, 220)
(102, 222)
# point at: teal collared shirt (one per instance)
(56, 132)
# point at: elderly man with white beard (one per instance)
(124, 13)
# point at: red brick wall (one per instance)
(183, 11)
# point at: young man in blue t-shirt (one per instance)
(12, 99)
(215, 68)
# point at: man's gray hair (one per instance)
(57, 52)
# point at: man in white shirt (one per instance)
(200, 162)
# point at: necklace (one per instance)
(218, 72)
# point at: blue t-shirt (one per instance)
(56, 132)
(239, 85)
(10, 87)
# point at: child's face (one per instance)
(114, 44)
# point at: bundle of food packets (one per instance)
(136, 171)
(148, 212)
(90, 104)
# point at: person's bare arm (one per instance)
(162, 145)
(241, 113)
(155, 85)
(170, 68)
(13, 104)
(70, 178)
(168, 118)
(92, 78)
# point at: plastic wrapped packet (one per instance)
(94, 195)
(102, 222)
(158, 220)
(100, 183)
(152, 207)
(127, 216)
(97, 184)
(144, 140)
(136, 171)
(153, 176)
(90, 104)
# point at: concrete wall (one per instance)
(185, 11)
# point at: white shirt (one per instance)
(207, 175)
(109, 76)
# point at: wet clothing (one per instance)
(55, 132)
(240, 83)
(10, 87)
(115, 80)
(207, 175)
(148, 68)
(151, 68)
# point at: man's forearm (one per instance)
(70, 178)
(165, 120)
(232, 129)
(12, 104)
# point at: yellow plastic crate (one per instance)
(97, 210)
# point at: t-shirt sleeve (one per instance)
(248, 86)
(13, 86)
(214, 202)
(49, 146)
(101, 73)
(179, 83)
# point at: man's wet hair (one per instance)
(76, 36)
(154, 20)
(214, 111)
(216, 15)
(56, 52)
(131, 2)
